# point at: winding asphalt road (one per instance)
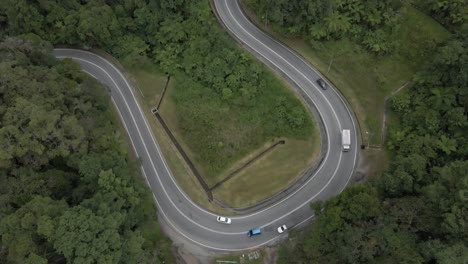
(186, 218)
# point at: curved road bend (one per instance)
(194, 223)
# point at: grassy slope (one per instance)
(298, 154)
(151, 83)
(270, 174)
(239, 132)
(366, 79)
(236, 131)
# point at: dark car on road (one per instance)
(322, 83)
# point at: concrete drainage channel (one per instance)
(248, 163)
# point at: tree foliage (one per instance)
(452, 13)
(370, 23)
(238, 105)
(66, 189)
(418, 211)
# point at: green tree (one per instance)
(83, 237)
(98, 26)
(23, 231)
(22, 17)
(60, 141)
(453, 12)
(337, 23)
(416, 212)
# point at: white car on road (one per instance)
(282, 228)
(224, 220)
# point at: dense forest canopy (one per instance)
(452, 14)
(60, 148)
(370, 23)
(66, 188)
(185, 40)
(418, 211)
(62, 162)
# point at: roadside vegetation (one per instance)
(252, 184)
(68, 190)
(452, 14)
(247, 257)
(227, 104)
(417, 211)
(366, 73)
(269, 175)
(151, 82)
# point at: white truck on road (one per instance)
(346, 139)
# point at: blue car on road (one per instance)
(253, 232)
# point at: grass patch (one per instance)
(270, 174)
(224, 104)
(374, 157)
(168, 111)
(285, 163)
(151, 82)
(241, 257)
(220, 132)
(296, 153)
(145, 77)
(366, 79)
(234, 130)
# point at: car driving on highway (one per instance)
(322, 83)
(223, 220)
(281, 229)
(253, 232)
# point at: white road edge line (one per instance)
(149, 156)
(334, 91)
(305, 91)
(157, 147)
